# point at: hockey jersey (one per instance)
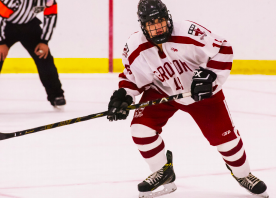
(191, 46)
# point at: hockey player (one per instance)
(167, 58)
(18, 22)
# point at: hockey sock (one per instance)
(234, 155)
(151, 146)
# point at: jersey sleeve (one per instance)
(221, 63)
(50, 20)
(7, 8)
(216, 54)
(134, 79)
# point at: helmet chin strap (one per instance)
(163, 38)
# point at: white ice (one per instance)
(98, 158)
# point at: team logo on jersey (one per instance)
(173, 49)
(126, 50)
(196, 31)
(38, 9)
(191, 29)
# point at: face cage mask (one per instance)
(159, 39)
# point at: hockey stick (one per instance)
(4, 136)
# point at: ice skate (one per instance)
(251, 183)
(164, 177)
(58, 103)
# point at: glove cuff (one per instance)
(213, 74)
(119, 94)
(128, 99)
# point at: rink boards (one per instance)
(100, 65)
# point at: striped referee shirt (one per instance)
(23, 11)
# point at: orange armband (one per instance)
(51, 10)
(5, 12)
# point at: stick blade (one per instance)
(3, 136)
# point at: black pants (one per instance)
(29, 36)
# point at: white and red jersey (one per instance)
(171, 71)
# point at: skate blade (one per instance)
(168, 188)
(59, 108)
(262, 195)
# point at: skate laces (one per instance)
(155, 177)
(249, 182)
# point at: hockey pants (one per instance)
(212, 117)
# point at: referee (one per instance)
(18, 22)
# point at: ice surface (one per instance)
(98, 158)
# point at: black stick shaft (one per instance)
(4, 136)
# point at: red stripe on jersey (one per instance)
(147, 140)
(200, 26)
(234, 150)
(5, 12)
(216, 45)
(219, 65)
(122, 75)
(137, 52)
(185, 40)
(153, 152)
(51, 10)
(226, 50)
(237, 163)
(130, 85)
